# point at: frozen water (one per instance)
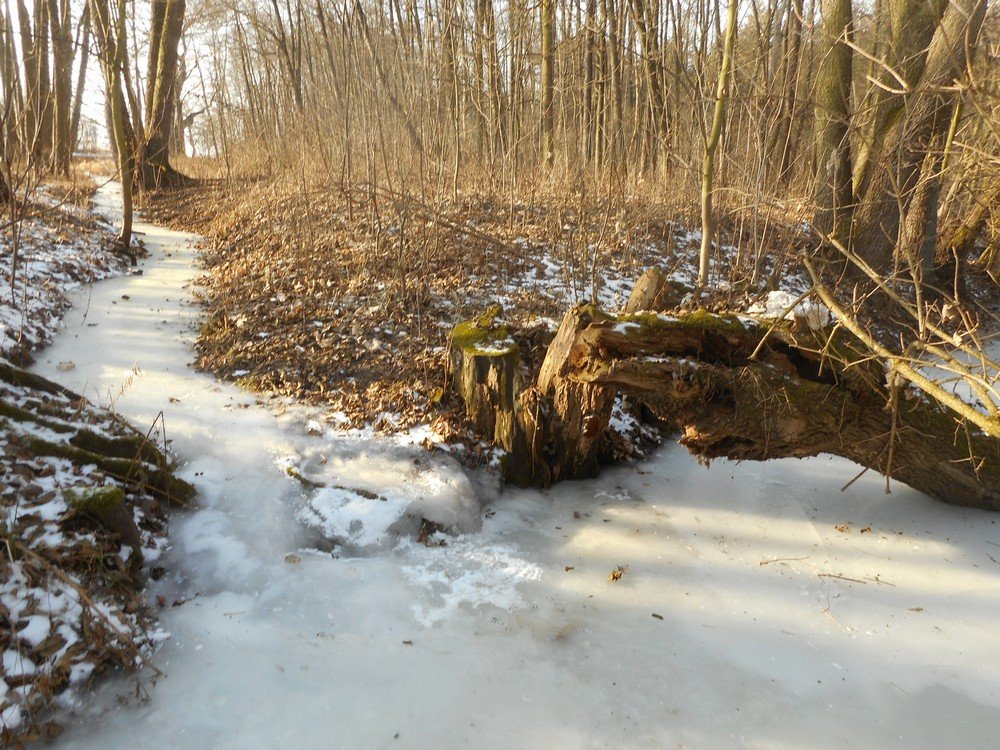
(745, 618)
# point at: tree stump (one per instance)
(486, 364)
(655, 291)
(799, 393)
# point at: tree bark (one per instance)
(13, 100)
(110, 34)
(911, 28)
(168, 23)
(83, 37)
(548, 25)
(782, 143)
(712, 144)
(62, 85)
(834, 194)
(926, 116)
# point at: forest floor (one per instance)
(346, 298)
(318, 295)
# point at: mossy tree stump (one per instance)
(486, 364)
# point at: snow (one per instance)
(49, 263)
(36, 630)
(983, 366)
(347, 516)
(16, 664)
(762, 606)
(815, 314)
(53, 634)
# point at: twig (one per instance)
(842, 578)
(876, 579)
(783, 559)
(856, 478)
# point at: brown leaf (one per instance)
(617, 573)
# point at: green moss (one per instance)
(98, 502)
(488, 316)
(18, 377)
(596, 314)
(304, 481)
(702, 318)
(646, 320)
(161, 483)
(18, 414)
(483, 336)
(132, 446)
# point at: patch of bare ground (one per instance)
(346, 297)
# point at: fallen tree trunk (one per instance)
(47, 423)
(733, 388)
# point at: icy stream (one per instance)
(745, 618)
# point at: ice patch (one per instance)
(346, 515)
(466, 573)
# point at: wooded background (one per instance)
(876, 122)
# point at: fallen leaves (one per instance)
(354, 313)
(617, 573)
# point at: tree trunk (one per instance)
(42, 146)
(961, 240)
(738, 390)
(13, 100)
(29, 53)
(711, 144)
(647, 31)
(83, 32)
(62, 85)
(911, 28)
(168, 23)
(110, 34)
(782, 143)
(834, 194)
(895, 181)
(548, 22)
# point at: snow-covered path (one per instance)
(745, 618)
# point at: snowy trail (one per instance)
(746, 619)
